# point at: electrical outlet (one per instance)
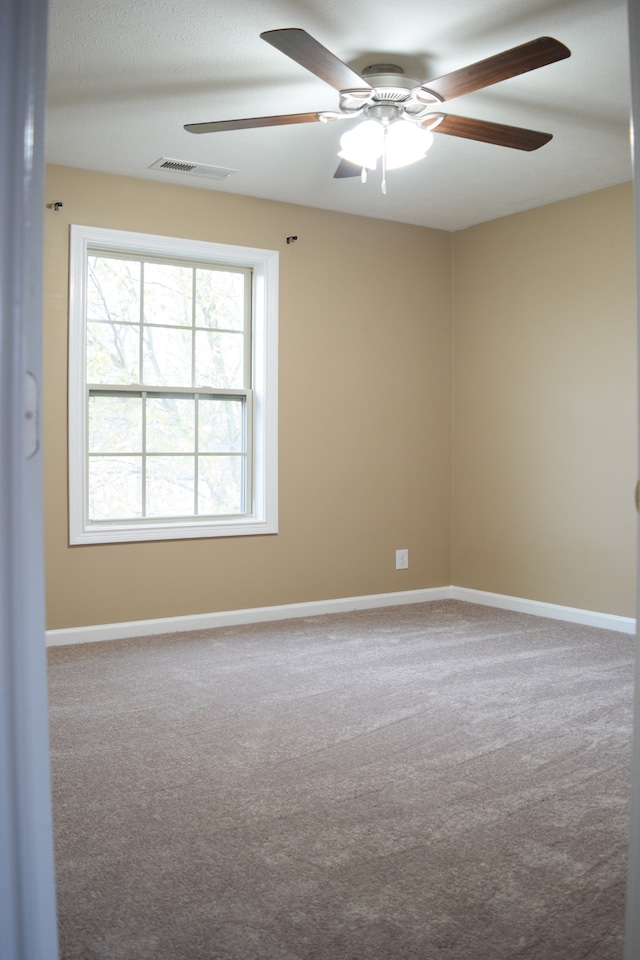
(402, 559)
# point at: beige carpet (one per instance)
(439, 781)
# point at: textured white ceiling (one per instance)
(125, 76)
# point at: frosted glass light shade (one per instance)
(406, 143)
(402, 142)
(363, 144)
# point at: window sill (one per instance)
(185, 530)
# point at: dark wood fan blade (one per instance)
(498, 133)
(503, 66)
(347, 169)
(217, 126)
(309, 53)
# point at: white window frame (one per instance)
(263, 517)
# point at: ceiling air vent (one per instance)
(206, 170)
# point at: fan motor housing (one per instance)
(389, 82)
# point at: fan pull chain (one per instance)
(384, 163)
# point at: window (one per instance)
(172, 388)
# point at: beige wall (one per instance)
(365, 387)
(541, 309)
(545, 404)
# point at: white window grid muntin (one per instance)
(95, 250)
(263, 420)
(244, 455)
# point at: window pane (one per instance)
(167, 358)
(219, 359)
(115, 424)
(171, 424)
(113, 353)
(115, 488)
(167, 294)
(220, 425)
(170, 486)
(219, 299)
(220, 485)
(113, 290)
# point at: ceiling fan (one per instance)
(398, 113)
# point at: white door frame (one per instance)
(27, 891)
(632, 931)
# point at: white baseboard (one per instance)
(227, 618)
(590, 618)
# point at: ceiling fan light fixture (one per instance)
(402, 143)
